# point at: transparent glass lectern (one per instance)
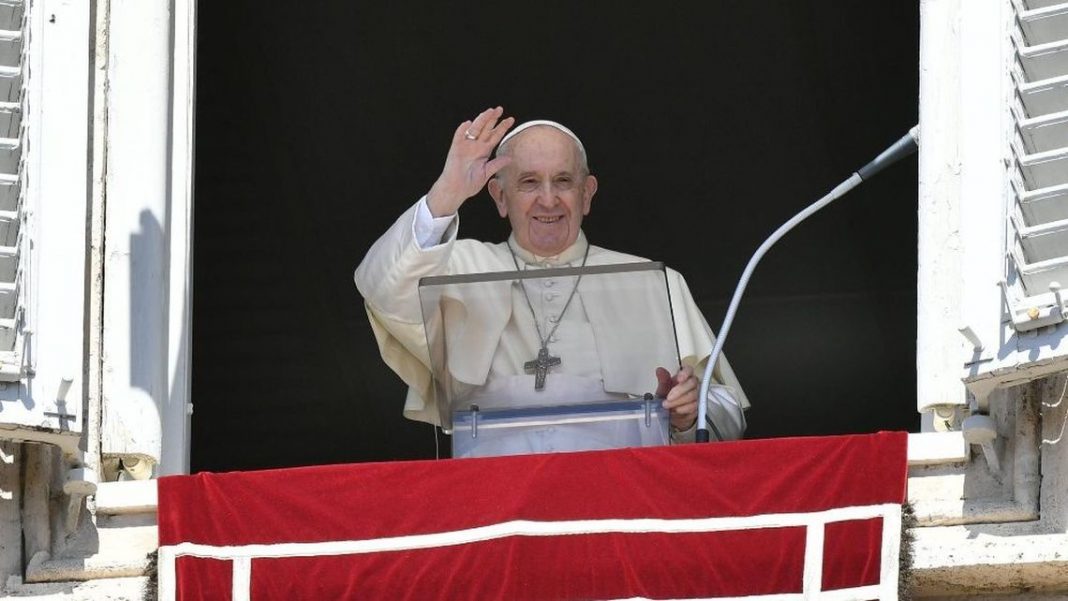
(548, 360)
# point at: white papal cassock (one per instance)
(592, 345)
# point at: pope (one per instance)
(540, 182)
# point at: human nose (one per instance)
(547, 195)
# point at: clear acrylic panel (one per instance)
(550, 359)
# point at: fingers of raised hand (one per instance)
(497, 132)
(474, 140)
(483, 126)
(461, 131)
(492, 167)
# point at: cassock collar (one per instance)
(570, 257)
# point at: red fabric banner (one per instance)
(729, 519)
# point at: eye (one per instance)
(528, 183)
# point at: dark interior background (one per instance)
(708, 125)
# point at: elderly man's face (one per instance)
(544, 192)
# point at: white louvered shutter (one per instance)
(13, 243)
(1013, 157)
(44, 123)
(1039, 174)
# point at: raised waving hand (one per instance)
(468, 165)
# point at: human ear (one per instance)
(497, 193)
(590, 188)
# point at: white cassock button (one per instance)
(549, 283)
(549, 296)
(554, 318)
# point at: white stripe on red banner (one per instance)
(242, 555)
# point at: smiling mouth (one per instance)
(547, 219)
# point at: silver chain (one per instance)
(545, 341)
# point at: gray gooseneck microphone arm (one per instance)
(907, 145)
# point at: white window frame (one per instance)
(147, 198)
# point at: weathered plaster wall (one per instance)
(10, 500)
(1015, 557)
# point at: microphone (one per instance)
(907, 145)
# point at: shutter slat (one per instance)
(1045, 242)
(1039, 275)
(1045, 204)
(1045, 96)
(1047, 132)
(1045, 61)
(1045, 169)
(1046, 24)
(1039, 4)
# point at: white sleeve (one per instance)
(726, 417)
(388, 275)
(683, 436)
(427, 229)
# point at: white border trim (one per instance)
(890, 570)
(241, 589)
(166, 578)
(814, 523)
(812, 576)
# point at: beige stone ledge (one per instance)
(960, 560)
(109, 589)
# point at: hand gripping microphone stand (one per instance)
(900, 149)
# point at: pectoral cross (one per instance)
(540, 367)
